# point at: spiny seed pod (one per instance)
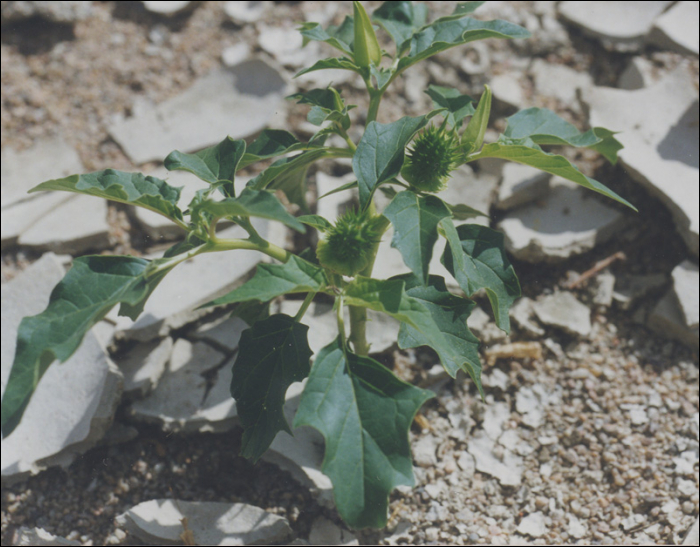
(347, 247)
(430, 159)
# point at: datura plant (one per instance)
(359, 406)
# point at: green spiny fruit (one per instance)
(347, 248)
(430, 159)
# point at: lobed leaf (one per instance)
(545, 127)
(269, 144)
(272, 354)
(364, 412)
(326, 105)
(251, 203)
(380, 153)
(416, 311)
(415, 219)
(215, 164)
(92, 287)
(273, 280)
(459, 106)
(340, 37)
(315, 221)
(131, 188)
(444, 34)
(450, 314)
(527, 152)
(401, 20)
(476, 258)
(332, 63)
(464, 212)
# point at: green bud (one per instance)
(430, 159)
(348, 247)
(366, 47)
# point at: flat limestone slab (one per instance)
(19, 217)
(48, 159)
(569, 222)
(677, 29)
(237, 101)
(564, 311)
(668, 320)
(661, 143)
(74, 403)
(74, 226)
(686, 285)
(159, 522)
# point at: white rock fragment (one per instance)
(576, 528)
(686, 286)
(687, 488)
(559, 81)
(325, 532)
(522, 314)
(466, 463)
(75, 226)
(144, 365)
(48, 159)
(570, 221)
(660, 151)
(173, 304)
(235, 54)
(245, 11)
(508, 472)
(668, 319)
(169, 8)
(638, 415)
(65, 11)
(529, 405)
(39, 536)
(678, 29)
(424, 451)
(564, 311)
(633, 520)
(301, 454)
(521, 185)
(237, 101)
(224, 334)
(160, 522)
(533, 525)
(507, 89)
(693, 535)
(603, 289)
(183, 401)
(286, 46)
(640, 73)
(74, 403)
(621, 24)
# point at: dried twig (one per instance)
(595, 270)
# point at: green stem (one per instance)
(358, 315)
(374, 101)
(265, 247)
(304, 306)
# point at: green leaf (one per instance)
(380, 153)
(333, 63)
(315, 221)
(364, 413)
(389, 296)
(415, 219)
(476, 258)
(366, 48)
(346, 186)
(251, 203)
(525, 151)
(92, 287)
(340, 37)
(252, 311)
(401, 20)
(544, 127)
(132, 188)
(273, 280)
(190, 242)
(272, 355)
(449, 313)
(464, 212)
(461, 10)
(459, 106)
(271, 143)
(473, 136)
(326, 105)
(214, 164)
(442, 35)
